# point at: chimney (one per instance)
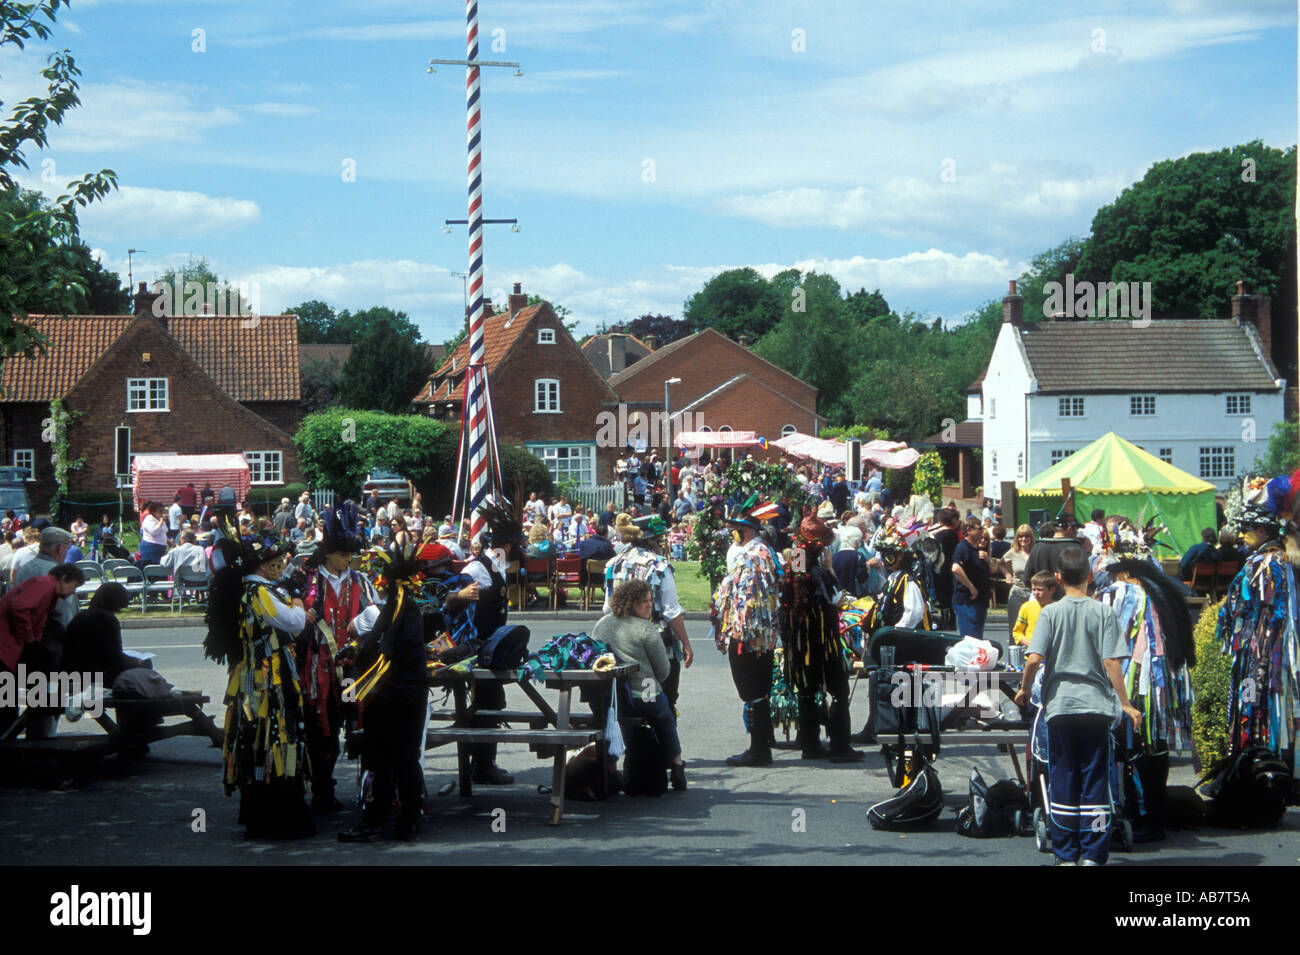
(651, 342)
(744, 340)
(1256, 310)
(517, 299)
(144, 300)
(1013, 307)
(487, 309)
(617, 354)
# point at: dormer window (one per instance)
(546, 336)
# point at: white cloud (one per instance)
(280, 109)
(134, 213)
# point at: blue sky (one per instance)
(782, 133)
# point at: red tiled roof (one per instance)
(76, 342)
(500, 332)
(252, 359)
(254, 363)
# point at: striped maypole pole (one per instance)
(475, 392)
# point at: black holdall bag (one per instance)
(506, 649)
(1252, 790)
(998, 810)
(915, 806)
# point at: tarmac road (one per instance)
(794, 812)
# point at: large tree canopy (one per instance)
(736, 302)
(320, 324)
(43, 259)
(1193, 226)
(385, 369)
(338, 447)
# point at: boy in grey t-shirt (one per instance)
(1080, 643)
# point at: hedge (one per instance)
(1212, 686)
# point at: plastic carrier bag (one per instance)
(972, 654)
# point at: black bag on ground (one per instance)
(582, 776)
(1252, 790)
(506, 649)
(914, 806)
(992, 810)
(643, 764)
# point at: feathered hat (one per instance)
(813, 533)
(503, 527)
(750, 512)
(1170, 607)
(342, 530)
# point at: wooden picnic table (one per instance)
(551, 730)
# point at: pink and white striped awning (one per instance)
(718, 439)
(886, 454)
(157, 477)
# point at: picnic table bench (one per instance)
(135, 727)
(551, 730)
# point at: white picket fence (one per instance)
(322, 500)
(595, 498)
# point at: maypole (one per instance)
(478, 439)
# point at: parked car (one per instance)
(387, 485)
(13, 492)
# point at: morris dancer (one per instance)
(335, 596)
(744, 616)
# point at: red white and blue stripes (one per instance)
(476, 374)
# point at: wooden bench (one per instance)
(131, 732)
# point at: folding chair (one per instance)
(94, 578)
(596, 580)
(537, 571)
(190, 584)
(157, 580)
(1204, 579)
(1225, 573)
(132, 578)
(568, 573)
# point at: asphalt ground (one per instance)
(795, 812)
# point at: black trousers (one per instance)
(834, 676)
(488, 696)
(323, 751)
(395, 727)
(751, 672)
(38, 657)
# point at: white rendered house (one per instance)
(1202, 394)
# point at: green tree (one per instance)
(198, 285)
(1193, 226)
(39, 258)
(386, 369)
(735, 302)
(350, 328)
(321, 384)
(864, 305)
(863, 432)
(664, 328)
(814, 339)
(522, 473)
(338, 447)
(1283, 453)
(1051, 265)
(315, 321)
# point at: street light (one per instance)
(668, 439)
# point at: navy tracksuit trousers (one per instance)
(1078, 786)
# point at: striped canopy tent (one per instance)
(1120, 478)
(719, 439)
(891, 455)
(157, 477)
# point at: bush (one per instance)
(263, 501)
(1212, 686)
(929, 477)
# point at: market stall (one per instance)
(157, 477)
(891, 455)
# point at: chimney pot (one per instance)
(517, 299)
(1013, 307)
(652, 342)
(744, 340)
(1241, 287)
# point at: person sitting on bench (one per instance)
(93, 642)
(632, 636)
(28, 633)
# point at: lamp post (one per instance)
(668, 440)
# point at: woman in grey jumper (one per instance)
(632, 636)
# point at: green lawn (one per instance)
(692, 588)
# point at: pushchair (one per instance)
(1121, 829)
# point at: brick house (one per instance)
(724, 387)
(612, 352)
(182, 384)
(546, 395)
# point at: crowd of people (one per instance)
(326, 622)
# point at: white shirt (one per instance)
(536, 507)
(289, 619)
(152, 530)
(913, 606)
(189, 556)
(174, 516)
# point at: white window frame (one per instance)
(546, 395)
(29, 464)
(1020, 464)
(1057, 455)
(553, 454)
(1138, 406)
(993, 462)
(788, 429)
(993, 408)
(546, 336)
(1237, 404)
(258, 462)
(1217, 462)
(144, 390)
(1166, 455)
(1071, 406)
